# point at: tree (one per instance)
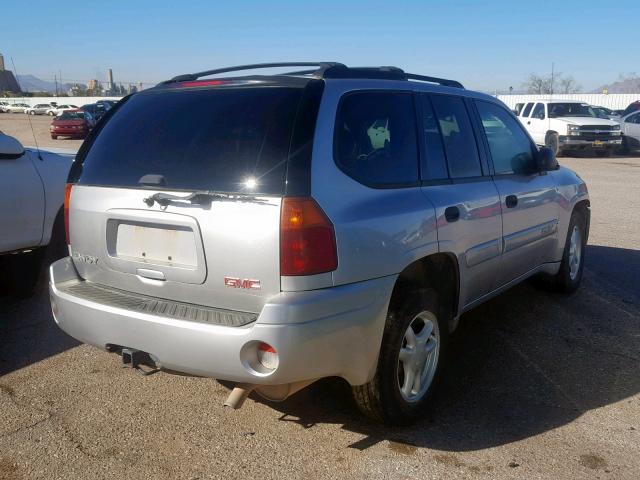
(568, 85)
(540, 85)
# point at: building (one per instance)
(8, 82)
(93, 84)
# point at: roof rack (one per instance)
(326, 70)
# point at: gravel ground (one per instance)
(539, 386)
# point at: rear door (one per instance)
(219, 250)
(465, 198)
(528, 198)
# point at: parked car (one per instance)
(630, 125)
(603, 112)
(72, 123)
(57, 109)
(274, 230)
(569, 125)
(97, 110)
(38, 109)
(633, 107)
(16, 107)
(31, 214)
(3, 106)
(107, 103)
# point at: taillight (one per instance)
(67, 198)
(307, 238)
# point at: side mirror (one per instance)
(546, 160)
(10, 148)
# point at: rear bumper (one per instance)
(330, 332)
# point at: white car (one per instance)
(32, 189)
(39, 109)
(56, 110)
(630, 125)
(569, 125)
(16, 107)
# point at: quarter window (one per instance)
(457, 136)
(375, 138)
(511, 149)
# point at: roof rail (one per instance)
(326, 70)
(189, 77)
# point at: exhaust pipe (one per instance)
(238, 395)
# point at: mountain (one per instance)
(31, 83)
(626, 85)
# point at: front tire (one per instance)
(411, 356)
(553, 142)
(568, 278)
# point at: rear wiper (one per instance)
(199, 197)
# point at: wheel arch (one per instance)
(437, 271)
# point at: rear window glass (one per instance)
(71, 116)
(375, 138)
(232, 140)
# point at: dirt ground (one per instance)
(538, 386)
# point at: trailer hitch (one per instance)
(137, 358)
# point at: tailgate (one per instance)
(225, 255)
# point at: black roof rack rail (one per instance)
(189, 77)
(441, 81)
(326, 70)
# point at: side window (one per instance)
(511, 149)
(457, 136)
(527, 110)
(375, 138)
(634, 118)
(433, 164)
(538, 112)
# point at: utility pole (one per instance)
(55, 79)
(552, 76)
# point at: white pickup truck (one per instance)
(31, 212)
(569, 125)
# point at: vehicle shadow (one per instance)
(522, 364)
(28, 332)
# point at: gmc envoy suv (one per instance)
(272, 230)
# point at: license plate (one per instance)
(598, 143)
(157, 245)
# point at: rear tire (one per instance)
(20, 272)
(410, 360)
(53, 137)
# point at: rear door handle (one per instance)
(511, 201)
(452, 214)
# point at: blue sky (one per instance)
(486, 45)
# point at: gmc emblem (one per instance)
(245, 283)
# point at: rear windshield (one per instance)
(226, 140)
(71, 116)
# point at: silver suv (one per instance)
(274, 230)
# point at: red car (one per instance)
(72, 123)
